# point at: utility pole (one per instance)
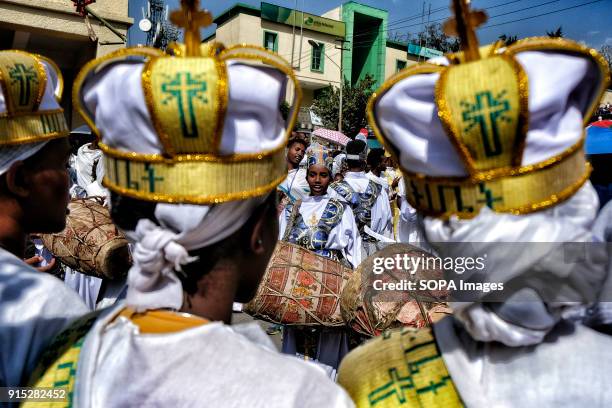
(341, 48)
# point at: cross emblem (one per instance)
(396, 386)
(191, 19)
(150, 177)
(25, 76)
(185, 88)
(485, 113)
(489, 199)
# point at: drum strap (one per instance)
(295, 212)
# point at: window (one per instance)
(317, 60)
(399, 65)
(270, 41)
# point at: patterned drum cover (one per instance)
(370, 312)
(300, 288)
(90, 243)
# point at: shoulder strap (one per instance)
(295, 211)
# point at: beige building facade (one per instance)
(313, 44)
(53, 28)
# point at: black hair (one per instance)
(375, 157)
(295, 140)
(356, 147)
(126, 212)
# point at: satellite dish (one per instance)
(145, 25)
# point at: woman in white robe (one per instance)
(323, 223)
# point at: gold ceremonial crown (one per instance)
(482, 101)
(186, 94)
(23, 81)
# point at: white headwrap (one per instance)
(253, 124)
(12, 154)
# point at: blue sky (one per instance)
(591, 23)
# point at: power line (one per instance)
(543, 14)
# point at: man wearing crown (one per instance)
(34, 149)
(504, 178)
(194, 150)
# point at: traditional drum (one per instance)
(370, 311)
(300, 288)
(90, 243)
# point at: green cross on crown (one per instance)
(25, 76)
(185, 89)
(485, 113)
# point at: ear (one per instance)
(257, 242)
(16, 180)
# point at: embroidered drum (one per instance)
(300, 288)
(369, 310)
(90, 243)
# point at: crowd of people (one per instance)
(188, 153)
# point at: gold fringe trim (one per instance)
(33, 128)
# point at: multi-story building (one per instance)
(54, 29)
(349, 41)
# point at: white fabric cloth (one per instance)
(159, 250)
(569, 221)
(213, 365)
(409, 227)
(34, 308)
(337, 166)
(344, 237)
(87, 164)
(295, 185)
(12, 154)
(382, 180)
(382, 218)
(88, 287)
(561, 86)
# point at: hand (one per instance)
(395, 183)
(38, 259)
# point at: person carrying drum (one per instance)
(369, 200)
(193, 146)
(490, 141)
(324, 224)
(34, 149)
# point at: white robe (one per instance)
(344, 237)
(86, 164)
(213, 365)
(34, 308)
(382, 180)
(382, 222)
(295, 185)
(409, 228)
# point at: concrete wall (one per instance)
(57, 18)
(248, 29)
(392, 55)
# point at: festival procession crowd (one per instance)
(128, 245)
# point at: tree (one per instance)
(558, 33)
(508, 39)
(354, 102)
(433, 36)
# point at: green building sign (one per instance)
(312, 22)
(415, 49)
